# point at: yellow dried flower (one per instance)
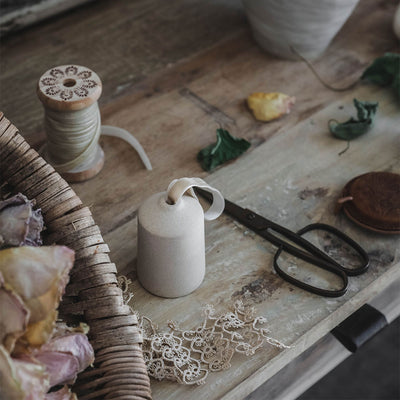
(269, 106)
(39, 276)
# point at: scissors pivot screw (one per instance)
(250, 216)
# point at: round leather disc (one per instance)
(375, 202)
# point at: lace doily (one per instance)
(187, 356)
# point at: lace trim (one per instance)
(187, 356)
(124, 283)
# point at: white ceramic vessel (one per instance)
(308, 26)
(171, 252)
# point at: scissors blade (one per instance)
(243, 215)
(263, 226)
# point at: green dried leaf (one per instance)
(385, 71)
(354, 128)
(396, 85)
(226, 148)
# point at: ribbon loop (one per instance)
(178, 187)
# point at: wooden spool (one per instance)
(72, 88)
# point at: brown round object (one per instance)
(374, 201)
(69, 88)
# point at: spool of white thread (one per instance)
(69, 94)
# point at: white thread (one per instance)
(72, 138)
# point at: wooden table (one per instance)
(172, 73)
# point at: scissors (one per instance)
(304, 250)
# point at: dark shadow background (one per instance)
(372, 373)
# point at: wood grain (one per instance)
(284, 186)
(172, 90)
(173, 128)
(141, 40)
(27, 12)
(322, 357)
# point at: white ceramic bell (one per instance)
(171, 251)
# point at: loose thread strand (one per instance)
(320, 79)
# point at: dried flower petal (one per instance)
(39, 276)
(21, 379)
(269, 106)
(14, 316)
(65, 355)
(10, 387)
(61, 367)
(20, 224)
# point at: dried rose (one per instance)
(20, 224)
(14, 316)
(39, 276)
(66, 354)
(269, 106)
(23, 379)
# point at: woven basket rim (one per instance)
(92, 295)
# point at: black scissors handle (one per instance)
(310, 288)
(313, 255)
(330, 264)
(304, 249)
(364, 265)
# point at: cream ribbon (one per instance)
(178, 187)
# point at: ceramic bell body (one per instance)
(171, 249)
(171, 256)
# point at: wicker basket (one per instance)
(92, 295)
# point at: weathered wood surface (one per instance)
(172, 91)
(16, 15)
(322, 357)
(122, 41)
(294, 178)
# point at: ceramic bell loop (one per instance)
(178, 187)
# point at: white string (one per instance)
(72, 138)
